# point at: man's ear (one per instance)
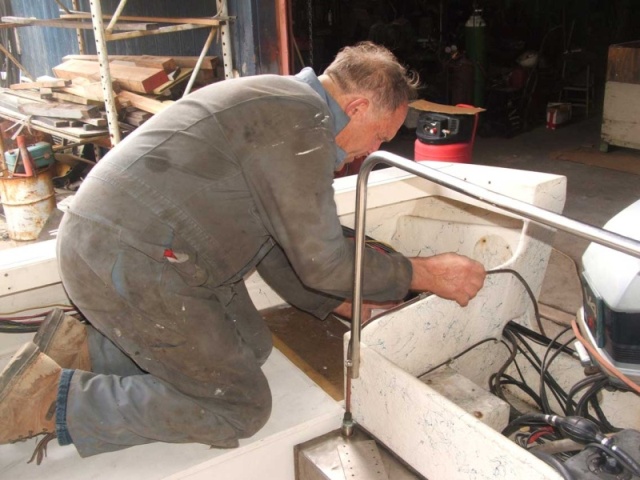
(357, 106)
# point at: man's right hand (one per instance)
(448, 275)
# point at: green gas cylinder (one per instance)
(476, 46)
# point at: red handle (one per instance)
(29, 167)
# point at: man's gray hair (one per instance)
(374, 70)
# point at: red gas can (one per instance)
(452, 152)
(445, 137)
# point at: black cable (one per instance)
(466, 350)
(564, 400)
(536, 363)
(8, 326)
(584, 383)
(514, 332)
(544, 367)
(559, 393)
(590, 397)
(581, 407)
(24, 323)
(601, 419)
(495, 382)
(536, 337)
(526, 419)
(554, 462)
(606, 426)
(517, 367)
(494, 386)
(509, 380)
(524, 283)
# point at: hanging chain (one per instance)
(310, 15)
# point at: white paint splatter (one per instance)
(308, 151)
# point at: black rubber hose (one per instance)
(528, 418)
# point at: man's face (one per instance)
(368, 128)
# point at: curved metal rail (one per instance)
(539, 215)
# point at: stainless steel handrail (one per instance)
(539, 215)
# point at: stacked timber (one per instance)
(171, 65)
(142, 85)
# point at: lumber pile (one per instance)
(171, 65)
(130, 77)
(143, 85)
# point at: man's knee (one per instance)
(254, 409)
(246, 407)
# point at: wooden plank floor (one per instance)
(314, 346)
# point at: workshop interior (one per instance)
(521, 152)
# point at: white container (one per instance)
(557, 114)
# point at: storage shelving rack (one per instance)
(121, 27)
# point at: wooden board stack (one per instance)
(142, 84)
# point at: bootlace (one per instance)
(40, 452)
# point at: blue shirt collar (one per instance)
(340, 119)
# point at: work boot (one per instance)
(63, 338)
(28, 392)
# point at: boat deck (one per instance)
(301, 411)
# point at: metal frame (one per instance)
(536, 214)
(105, 72)
(102, 35)
(225, 40)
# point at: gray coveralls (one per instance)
(238, 175)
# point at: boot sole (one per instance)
(20, 362)
(47, 330)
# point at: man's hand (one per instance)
(344, 310)
(449, 275)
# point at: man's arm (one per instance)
(448, 275)
(290, 178)
(276, 270)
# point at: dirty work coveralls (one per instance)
(238, 175)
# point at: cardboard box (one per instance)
(418, 106)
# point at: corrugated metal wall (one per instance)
(43, 47)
